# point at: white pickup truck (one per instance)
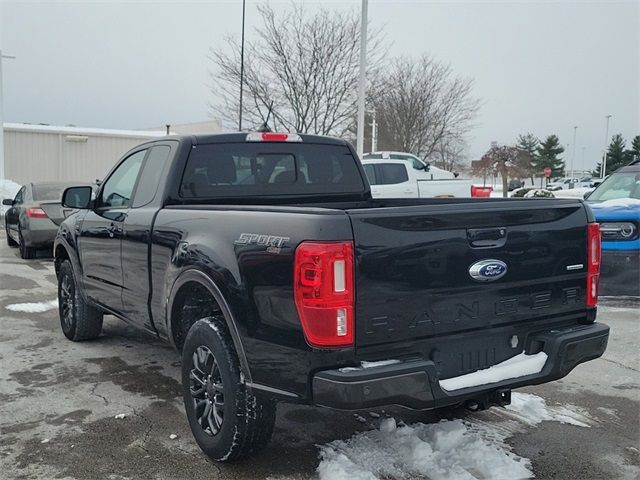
(398, 179)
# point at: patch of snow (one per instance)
(363, 364)
(536, 192)
(531, 409)
(120, 416)
(445, 450)
(173, 436)
(8, 189)
(519, 366)
(37, 307)
(470, 449)
(374, 415)
(573, 193)
(620, 202)
(46, 440)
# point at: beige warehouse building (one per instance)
(37, 153)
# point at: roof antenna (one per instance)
(265, 126)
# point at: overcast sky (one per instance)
(541, 66)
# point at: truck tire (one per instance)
(26, 253)
(79, 320)
(10, 241)
(226, 420)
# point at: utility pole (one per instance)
(573, 154)
(362, 79)
(241, 68)
(374, 131)
(2, 56)
(603, 170)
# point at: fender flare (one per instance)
(194, 275)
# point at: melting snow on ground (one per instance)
(451, 449)
(37, 307)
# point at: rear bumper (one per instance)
(414, 383)
(40, 232)
(620, 272)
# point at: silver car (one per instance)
(32, 220)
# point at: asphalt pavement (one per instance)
(59, 401)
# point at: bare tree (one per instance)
(306, 64)
(450, 153)
(503, 159)
(421, 105)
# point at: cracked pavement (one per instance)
(70, 393)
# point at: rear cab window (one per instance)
(255, 169)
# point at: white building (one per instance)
(37, 153)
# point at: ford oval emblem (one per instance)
(488, 270)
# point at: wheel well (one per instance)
(192, 302)
(60, 256)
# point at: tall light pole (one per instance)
(362, 78)
(603, 171)
(241, 68)
(2, 118)
(573, 154)
(374, 131)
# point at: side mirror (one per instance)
(587, 195)
(77, 197)
(427, 167)
(8, 202)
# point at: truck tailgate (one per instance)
(414, 267)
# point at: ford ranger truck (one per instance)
(264, 260)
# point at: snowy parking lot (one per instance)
(111, 408)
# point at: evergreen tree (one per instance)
(528, 144)
(548, 156)
(617, 156)
(635, 148)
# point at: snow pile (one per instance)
(449, 449)
(531, 409)
(37, 307)
(621, 202)
(538, 193)
(461, 449)
(8, 189)
(519, 366)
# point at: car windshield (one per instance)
(618, 185)
(46, 193)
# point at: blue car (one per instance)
(616, 206)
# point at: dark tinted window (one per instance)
(47, 193)
(150, 176)
(391, 173)
(370, 171)
(245, 169)
(20, 196)
(119, 187)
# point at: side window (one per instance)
(119, 187)
(150, 176)
(20, 196)
(392, 173)
(370, 172)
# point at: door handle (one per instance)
(113, 228)
(487, 237)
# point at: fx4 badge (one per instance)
(274, 243)
(488, 270)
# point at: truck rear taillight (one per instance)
(273, 137)
(36, 213)
(593, 264)
(323, 291)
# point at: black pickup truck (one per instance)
(263, 258)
